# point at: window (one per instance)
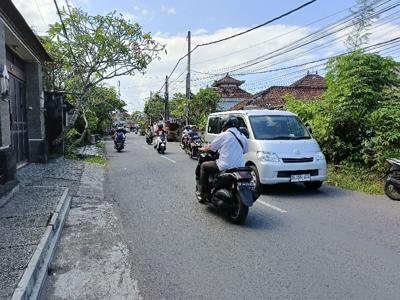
(278, 128)
(214, 125)
(242, 123)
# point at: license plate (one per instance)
(300, 177)
(246, 185)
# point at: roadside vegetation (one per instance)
(357, 121)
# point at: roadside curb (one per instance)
(31, 283)
(7, 196)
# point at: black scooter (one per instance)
(193, 146)
(149, 139)
(232, 191)
(392, 179)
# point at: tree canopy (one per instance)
(93, 49)
(358, 118)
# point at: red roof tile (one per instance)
(227, 80)
(311, 81)
(232, 92)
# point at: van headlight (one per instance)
(267, 156)
(319, 156)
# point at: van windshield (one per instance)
(278, 128)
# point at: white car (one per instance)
(281, 149)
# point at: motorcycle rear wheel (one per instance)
(391, 191)
(239, 212)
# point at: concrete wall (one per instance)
(35, 115)
(7, 157)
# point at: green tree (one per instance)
(358, 118)
(154, 108)
(98, 48)
(205, 102)
(177, 106)
(104, 102)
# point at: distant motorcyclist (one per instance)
(159, 131)
(231, 144)
(193, 133)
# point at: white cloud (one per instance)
(168, 10)
(144, 12)
(37, 14)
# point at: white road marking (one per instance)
(171, 160)
(272, 206)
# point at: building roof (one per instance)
(227, 80)
(311, 81)
(307, 88)
(16, 22)
(233, 92)
(273, 96)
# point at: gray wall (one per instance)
(35, 115)
(7, 158)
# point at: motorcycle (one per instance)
(194, 144)
(392, 179)
(119, 141)
(232, 191)
(149, 139)
(184, 141)
(161, 144)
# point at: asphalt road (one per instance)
(295, 244)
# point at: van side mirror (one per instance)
(309, 129)
(244, 131)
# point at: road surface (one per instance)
(295, 244)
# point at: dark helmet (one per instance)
(228, 122)
(160, 125)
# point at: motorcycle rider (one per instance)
(119, 134)
(160, 130)
(231, 145)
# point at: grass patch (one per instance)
(93, 159)
(355, 178)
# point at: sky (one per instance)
(169, 20)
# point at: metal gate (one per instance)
(18, 121)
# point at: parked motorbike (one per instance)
(119, 141)
(194, 144)
(232, 191)
(392, 179)
(161, 143)
(149, 139)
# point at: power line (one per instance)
(239, 34)
(275, 37)
(295, 45)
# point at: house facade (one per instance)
(308, 88)
(230, 91)
(22, 126)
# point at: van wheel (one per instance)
(313, 185)
(256, 178)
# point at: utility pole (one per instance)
(188, 94)
(166, 101)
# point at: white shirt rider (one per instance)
(229, 148)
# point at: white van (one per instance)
(281, 149)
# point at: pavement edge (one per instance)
(34, 277)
